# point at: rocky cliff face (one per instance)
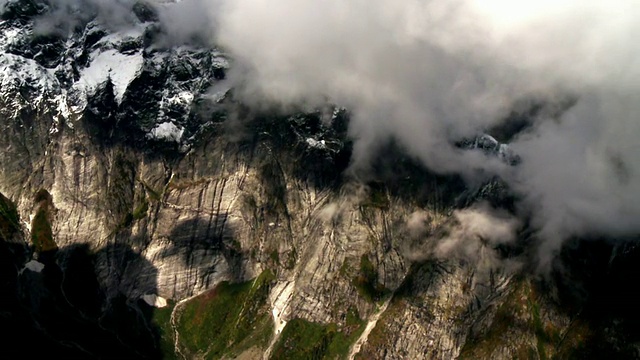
(147, 213)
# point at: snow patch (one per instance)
(489, 145)
(128, 34)
(154, 300)
(280, 299)
(121, 68)
(167, 131)
(219, 61)
(34, 266)
(487, 142)
(280, 302)
(371, 324)
(27, 224)
(62, 106)
(10, 36)
(17, 71)
(316, 144)
(183, 98)
(336, 112)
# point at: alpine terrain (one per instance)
(146, 211)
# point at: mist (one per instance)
(64, 15)
(476, 231)
(428, 73)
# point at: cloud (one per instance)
(64, 15)
(579, 175)
(188, 21)
(476, 228)
(470, 234)
(430, 72)
(182, 21)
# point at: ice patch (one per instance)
(154, 300)
(167, 131)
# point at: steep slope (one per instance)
(147, 213)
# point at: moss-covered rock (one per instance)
(227, 319)
(303, 340)
(9, 219)
(367, 281)
(41, 231)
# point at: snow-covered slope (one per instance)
(68, 69)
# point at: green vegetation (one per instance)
(519, 311)
(304, 340)
(125, 223)
(291, 259)
(249, 202)
(578, 341)
(41, 232)
(183, 184)
(273, 186)
(140, 212)
(541, 336)
(344, 268)
(367, 281)
(379, 337)
(275, 257)
(42, 196)
(161, 318)
(378, 197)
(9, 219)
(506, 316)
(153, 194)
(228, 319)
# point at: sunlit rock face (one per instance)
(146, 212)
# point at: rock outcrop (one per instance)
(145, 215)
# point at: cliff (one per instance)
(145, 212)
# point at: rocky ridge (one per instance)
(144, 208)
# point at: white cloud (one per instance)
(427, 72)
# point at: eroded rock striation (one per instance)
(146, 212)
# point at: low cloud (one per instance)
(471, 235)
(188, 21)
(64, 15)
(428, 73)
(475, 229)
(431, 72)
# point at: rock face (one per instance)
(144, 214)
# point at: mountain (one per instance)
(146, 212)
